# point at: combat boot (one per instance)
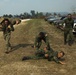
(70, 42)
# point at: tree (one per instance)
(5, 15)
(33, 13)
(55, 14)
(48, 14)
(59, 15)
(10, 16)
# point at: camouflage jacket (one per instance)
(69, 23)
(38, 39)
(5, 28)
(54, 57)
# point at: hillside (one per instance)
(22, 39)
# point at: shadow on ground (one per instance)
(16, 47)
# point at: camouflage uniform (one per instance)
(68, 34)
(7, 33)
(40, 54)
(38, 41)
(53, 55)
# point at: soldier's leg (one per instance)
(65, 36)
(39, 54)
(8, 45)
(70, 38)
(4, 36)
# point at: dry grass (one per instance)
(22, 39)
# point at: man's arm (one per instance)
(11, 27)
(58, 61)
(35, 42)
(63, 63)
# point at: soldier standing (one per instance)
(68, 34)
(7, 27)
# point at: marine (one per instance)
(42, 36)
(68, 34)
(7, 27)
(47, 54)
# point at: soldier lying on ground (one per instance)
(46, 54)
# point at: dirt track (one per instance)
(22, 39)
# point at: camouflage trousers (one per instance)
(40, 54)
(7, 37)
(68, 36)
